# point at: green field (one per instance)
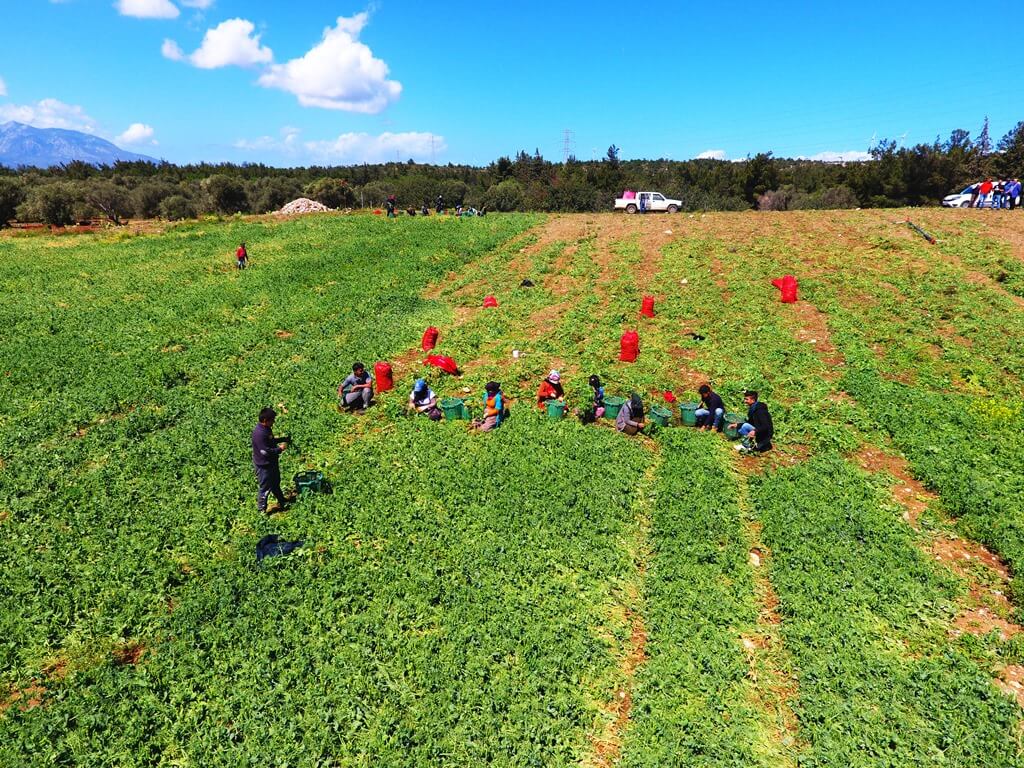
(549, 594)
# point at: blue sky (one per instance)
(295, 83)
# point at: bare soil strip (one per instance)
(606, 741)
(987, 607)
(773, 684)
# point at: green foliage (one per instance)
(692, 698)
(504, 196)
(176, 208)
(52, 203)
(334, 193)
(111, 200)
(148, 196)
(12, 194)
(224, 194)
(862, 610)
(266, 195)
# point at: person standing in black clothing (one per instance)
(440, 205)
(757, 430)
(266, 456)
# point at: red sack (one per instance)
(647, 306)
(382, 375)
(490, 301)
(629, 346)
(446, 364)
(788, 285)
(669, 396)
(429, 339)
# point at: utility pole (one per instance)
(567, 142)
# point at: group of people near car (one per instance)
(1001, 193)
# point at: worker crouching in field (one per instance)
(596, 409)
(423, 400)
(356, 391)
(494, 408)
(550, 389)
(266, 454)
(712, 410)
(757, 430)
(631, 415)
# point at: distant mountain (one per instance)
(42, 147)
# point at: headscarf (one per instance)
(554, 377)
(636, 406)
(595, 381)
(420, 386)
(492, 387)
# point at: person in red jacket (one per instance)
(984, 191)
(550, 389)
(241, 257)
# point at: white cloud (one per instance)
(338, 73)
(136, 133)
(850, 156)
(148, 9)
(3, 87)
(171, 50)
(711, 154)
(362, 147)
(230, 43)
(49, 113)
(287, 143)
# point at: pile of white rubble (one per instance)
(303, 205)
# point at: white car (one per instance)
(652, 201)
(963, 199)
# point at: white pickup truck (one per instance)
(647, 201)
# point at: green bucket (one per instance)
(728, 419)
(556, 410)
(454, 409)
(688, 413)
(310, 480)
(612, 405)
(660, 416)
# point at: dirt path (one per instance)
(773, 683)
(606, 741)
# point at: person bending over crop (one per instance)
(631, 415)
(356, 391)
(266, 456)
(757, 430)
(494, 408)
(241, 257)
(423, 400)
(712, 410)
(550, 390)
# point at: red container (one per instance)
(669, 396)
(647, 306)
(446, 364)
(429, 339)
(382, 375)
(629, 346)
(490, 301)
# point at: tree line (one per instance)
(894, 176)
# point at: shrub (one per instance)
(176, 208)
